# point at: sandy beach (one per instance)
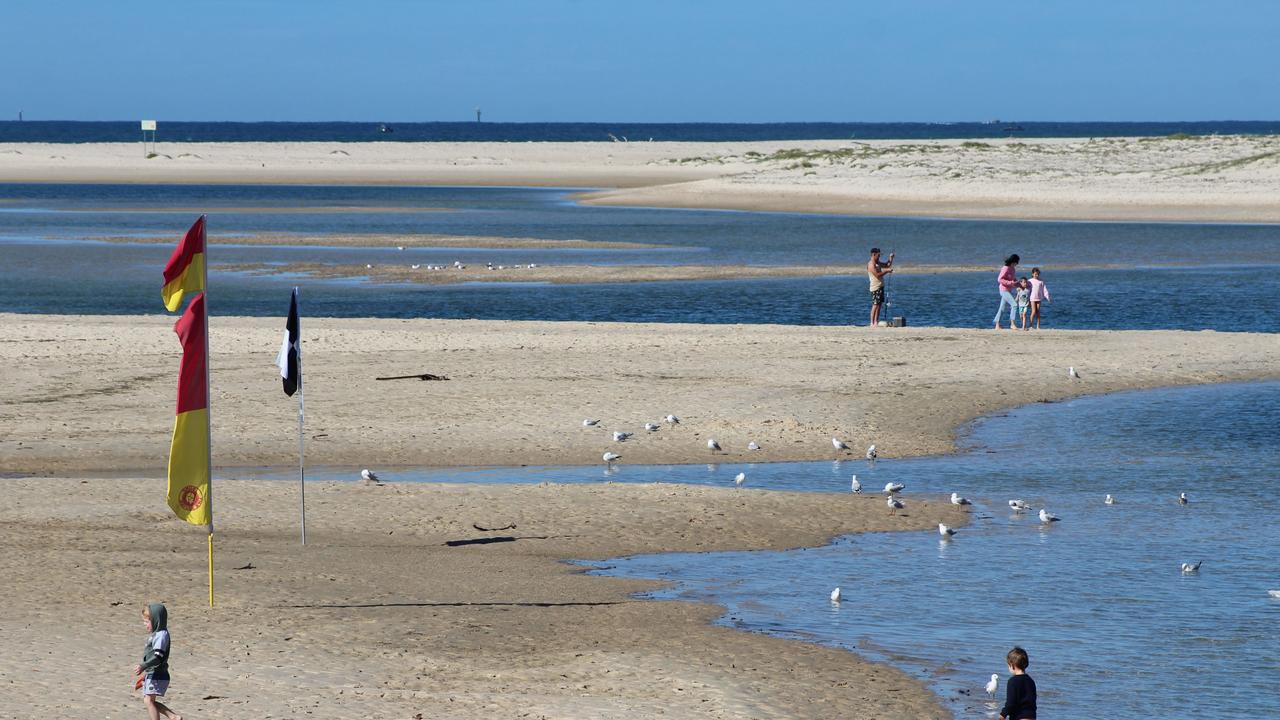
(379, 616)
(1214, 178)
(96, 393)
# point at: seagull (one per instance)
(1018, 505)
(894, 505)
(945, 531)
(589, 422)
(712, 445)
(399, 247)
(619, 436)
(1182, 499)
(1274, 593)
(739, 478)
(1191, 567)
(855, 485)
(1071, 373)
(1048, 517)
(838, 444)
(367, 266)
(893, 487)
(369, 476)
(415, 267)
(1110, 500)
(753, 445)
(672, 420)
(992, 685)
(871, 453)
(957, 500)
(651, 427)
(611, 458)
(835, 596)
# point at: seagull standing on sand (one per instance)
(839, 444)
(753, 445)
(945, 531)
(855, 485)
(894, 505)
(957, 500)
(1189, 568)
(1018, 505)
(871, 453)
(1071, 373)
(651, 427)
(992, 685)
(712, 445)
(589, 423)
(739, 478)
(835, 596)
(369, 476)
(1110, 500)
(1182, 499)
(611, 457)
(1048, 517)
(619, 436)
(672, 420)
(893, 487)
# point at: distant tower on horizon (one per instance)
(477, 113)
(19, 116)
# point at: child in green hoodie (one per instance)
(153, 673)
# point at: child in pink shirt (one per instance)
(1039, 292)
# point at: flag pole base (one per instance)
(210, 569)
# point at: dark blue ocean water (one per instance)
(1113, 626)
(129, 131)
(1164, 276)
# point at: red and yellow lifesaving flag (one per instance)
(185, 270)
(189, 451)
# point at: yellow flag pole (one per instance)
(209, 424)
(210, 569)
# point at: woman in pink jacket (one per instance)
(1007, 280)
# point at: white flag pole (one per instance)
(302, 404)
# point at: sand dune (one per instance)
(1226, 178)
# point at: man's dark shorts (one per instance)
(877, 296)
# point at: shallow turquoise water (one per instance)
(1187, 276)
(1113, 626)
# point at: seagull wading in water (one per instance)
(1191, 567)
(855, 485)
(1182, 499)
(992, 685)
(945, 531)
(957, 500)
(1018, 505)
(611, 458)
(739, 478)
(871, 453)
(1110, 500)
(369, 476)
(835, 595)
(1048, 517)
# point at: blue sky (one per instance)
(697, 60)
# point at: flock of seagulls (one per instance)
(459, 265)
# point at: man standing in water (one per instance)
(876, 271)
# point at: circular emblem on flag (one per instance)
(190, 498)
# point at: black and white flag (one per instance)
(291, 350)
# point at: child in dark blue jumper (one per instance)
(1020, 691)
